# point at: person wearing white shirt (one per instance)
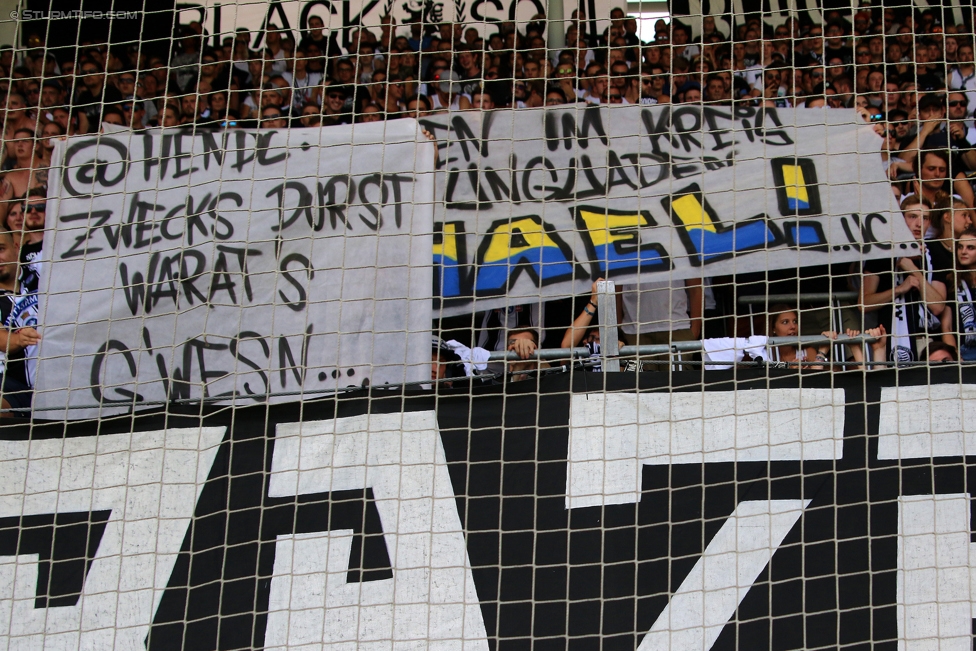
(962, 76)
(274, 46)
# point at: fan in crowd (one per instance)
(908, 70)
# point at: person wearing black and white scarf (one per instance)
(907, 292)
(959, 324)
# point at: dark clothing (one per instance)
(14, 363)
(30, 258)
(845, 53)
(885, 270)
(329, 47)
(15, 392)
(943, 261)
(92, 106)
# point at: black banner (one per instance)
(549, 574)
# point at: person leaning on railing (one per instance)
(908, 294)
(524, 343)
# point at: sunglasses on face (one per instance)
(36, 207)
(336, 96)
(958, 102)
(273, 116)
(564, 71)
(127, 80)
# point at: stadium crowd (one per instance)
(909, 71)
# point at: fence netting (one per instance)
(483, 325)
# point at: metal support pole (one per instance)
(607, 305)
(541, 353)
(555, 25)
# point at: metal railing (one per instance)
(609, 336)
(671, 349)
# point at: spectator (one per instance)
(370, 113)
(26, 171)
(94, 98)
(273, 38)
(959, 321)
(936, 133)
(17, 116)
(326, 46)
(523, 342)
(33, 239)
(962, 76)
(950, 219)
(448, 95)
(171, 116)
(184, 66)
(112, 116)
(15, 222)
(18, 337)
(932, 176)
(565, 80)
(311, 116)
(63, 117)
(481, 101)
(305, 84)
(596, 90)
(906, 292)
(418, 105)
(658, 313)
(715, 90)
(585, 329)
(939, 352)
(444, 362)
(960, 125)
(272, 118)
(334, 109)
(52, 94)
(784, 322)
(134, 115)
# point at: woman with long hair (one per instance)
(959, 323)
(784, 322)
(15, 221)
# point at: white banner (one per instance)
(238, 263)
(342, 18)
(540, 202)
